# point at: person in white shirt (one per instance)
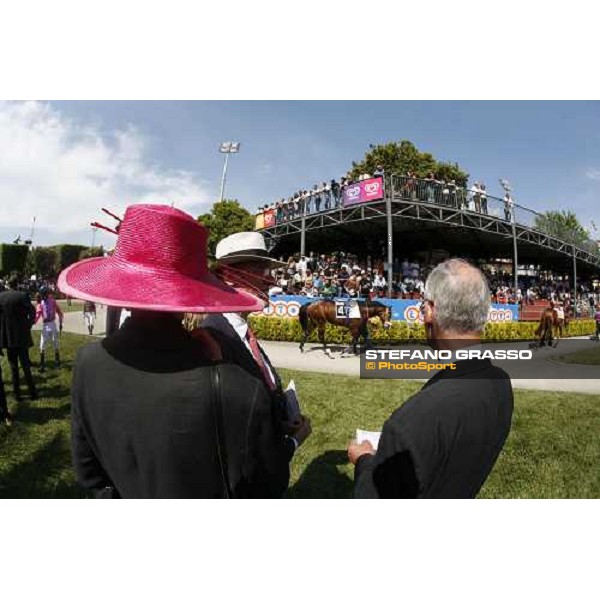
(302, 266)
(475, 197)
(379, 283)
(326, 190)
(243, 262)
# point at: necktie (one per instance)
(258, 357)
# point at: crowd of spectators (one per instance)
(344, 275)
(322, 196)
(431, 189)
(32, 286)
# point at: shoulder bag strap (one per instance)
(217, 411)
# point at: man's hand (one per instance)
(355, 451)
(299, 429)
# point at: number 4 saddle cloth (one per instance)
(347, 309)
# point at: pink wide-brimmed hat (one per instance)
(160, 264)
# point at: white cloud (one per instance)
(63, 172)
(265, 168)
(593, 174)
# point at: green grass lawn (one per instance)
(582, 357)
(553, 450)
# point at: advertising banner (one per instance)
(363, 191)
(402, 310)
(269, 216)
(260, 221)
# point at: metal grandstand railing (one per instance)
(468, 200)
(449, 197)
(448, 194)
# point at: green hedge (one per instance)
(286, 329)
(13, 258)
(66, 255)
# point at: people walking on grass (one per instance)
(16, 319)
(89, 315)
(48, 310)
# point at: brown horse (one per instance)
(319, 313)
(547, 328)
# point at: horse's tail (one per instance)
(303, 316)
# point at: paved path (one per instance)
(74, 322)
(287, 355)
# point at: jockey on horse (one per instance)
(319, 313)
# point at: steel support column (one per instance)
(390, 233)
(303, 236)
(515, 255)
(574, 293)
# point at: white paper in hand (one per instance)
(370, 436)
(292, 404)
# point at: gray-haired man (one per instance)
(444, 441)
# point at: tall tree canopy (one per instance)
(225, 218)
(399, 157)
(562, 224)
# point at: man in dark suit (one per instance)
(444, 441)
(243, 262)
(17, 315)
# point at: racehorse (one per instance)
(547, 328)
(319, 313)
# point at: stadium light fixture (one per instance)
(227, 148)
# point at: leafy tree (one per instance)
(399, 157)
(562, 224)
(225, 218)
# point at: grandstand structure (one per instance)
(404, 222)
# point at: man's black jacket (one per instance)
(444, 441)
(142, 419)
(235, 351)
(16, 319)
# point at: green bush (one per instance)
(286, 329)
(13, 258)
(66, 255)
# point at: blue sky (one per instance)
(120, 152)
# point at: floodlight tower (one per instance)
(227, 148)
